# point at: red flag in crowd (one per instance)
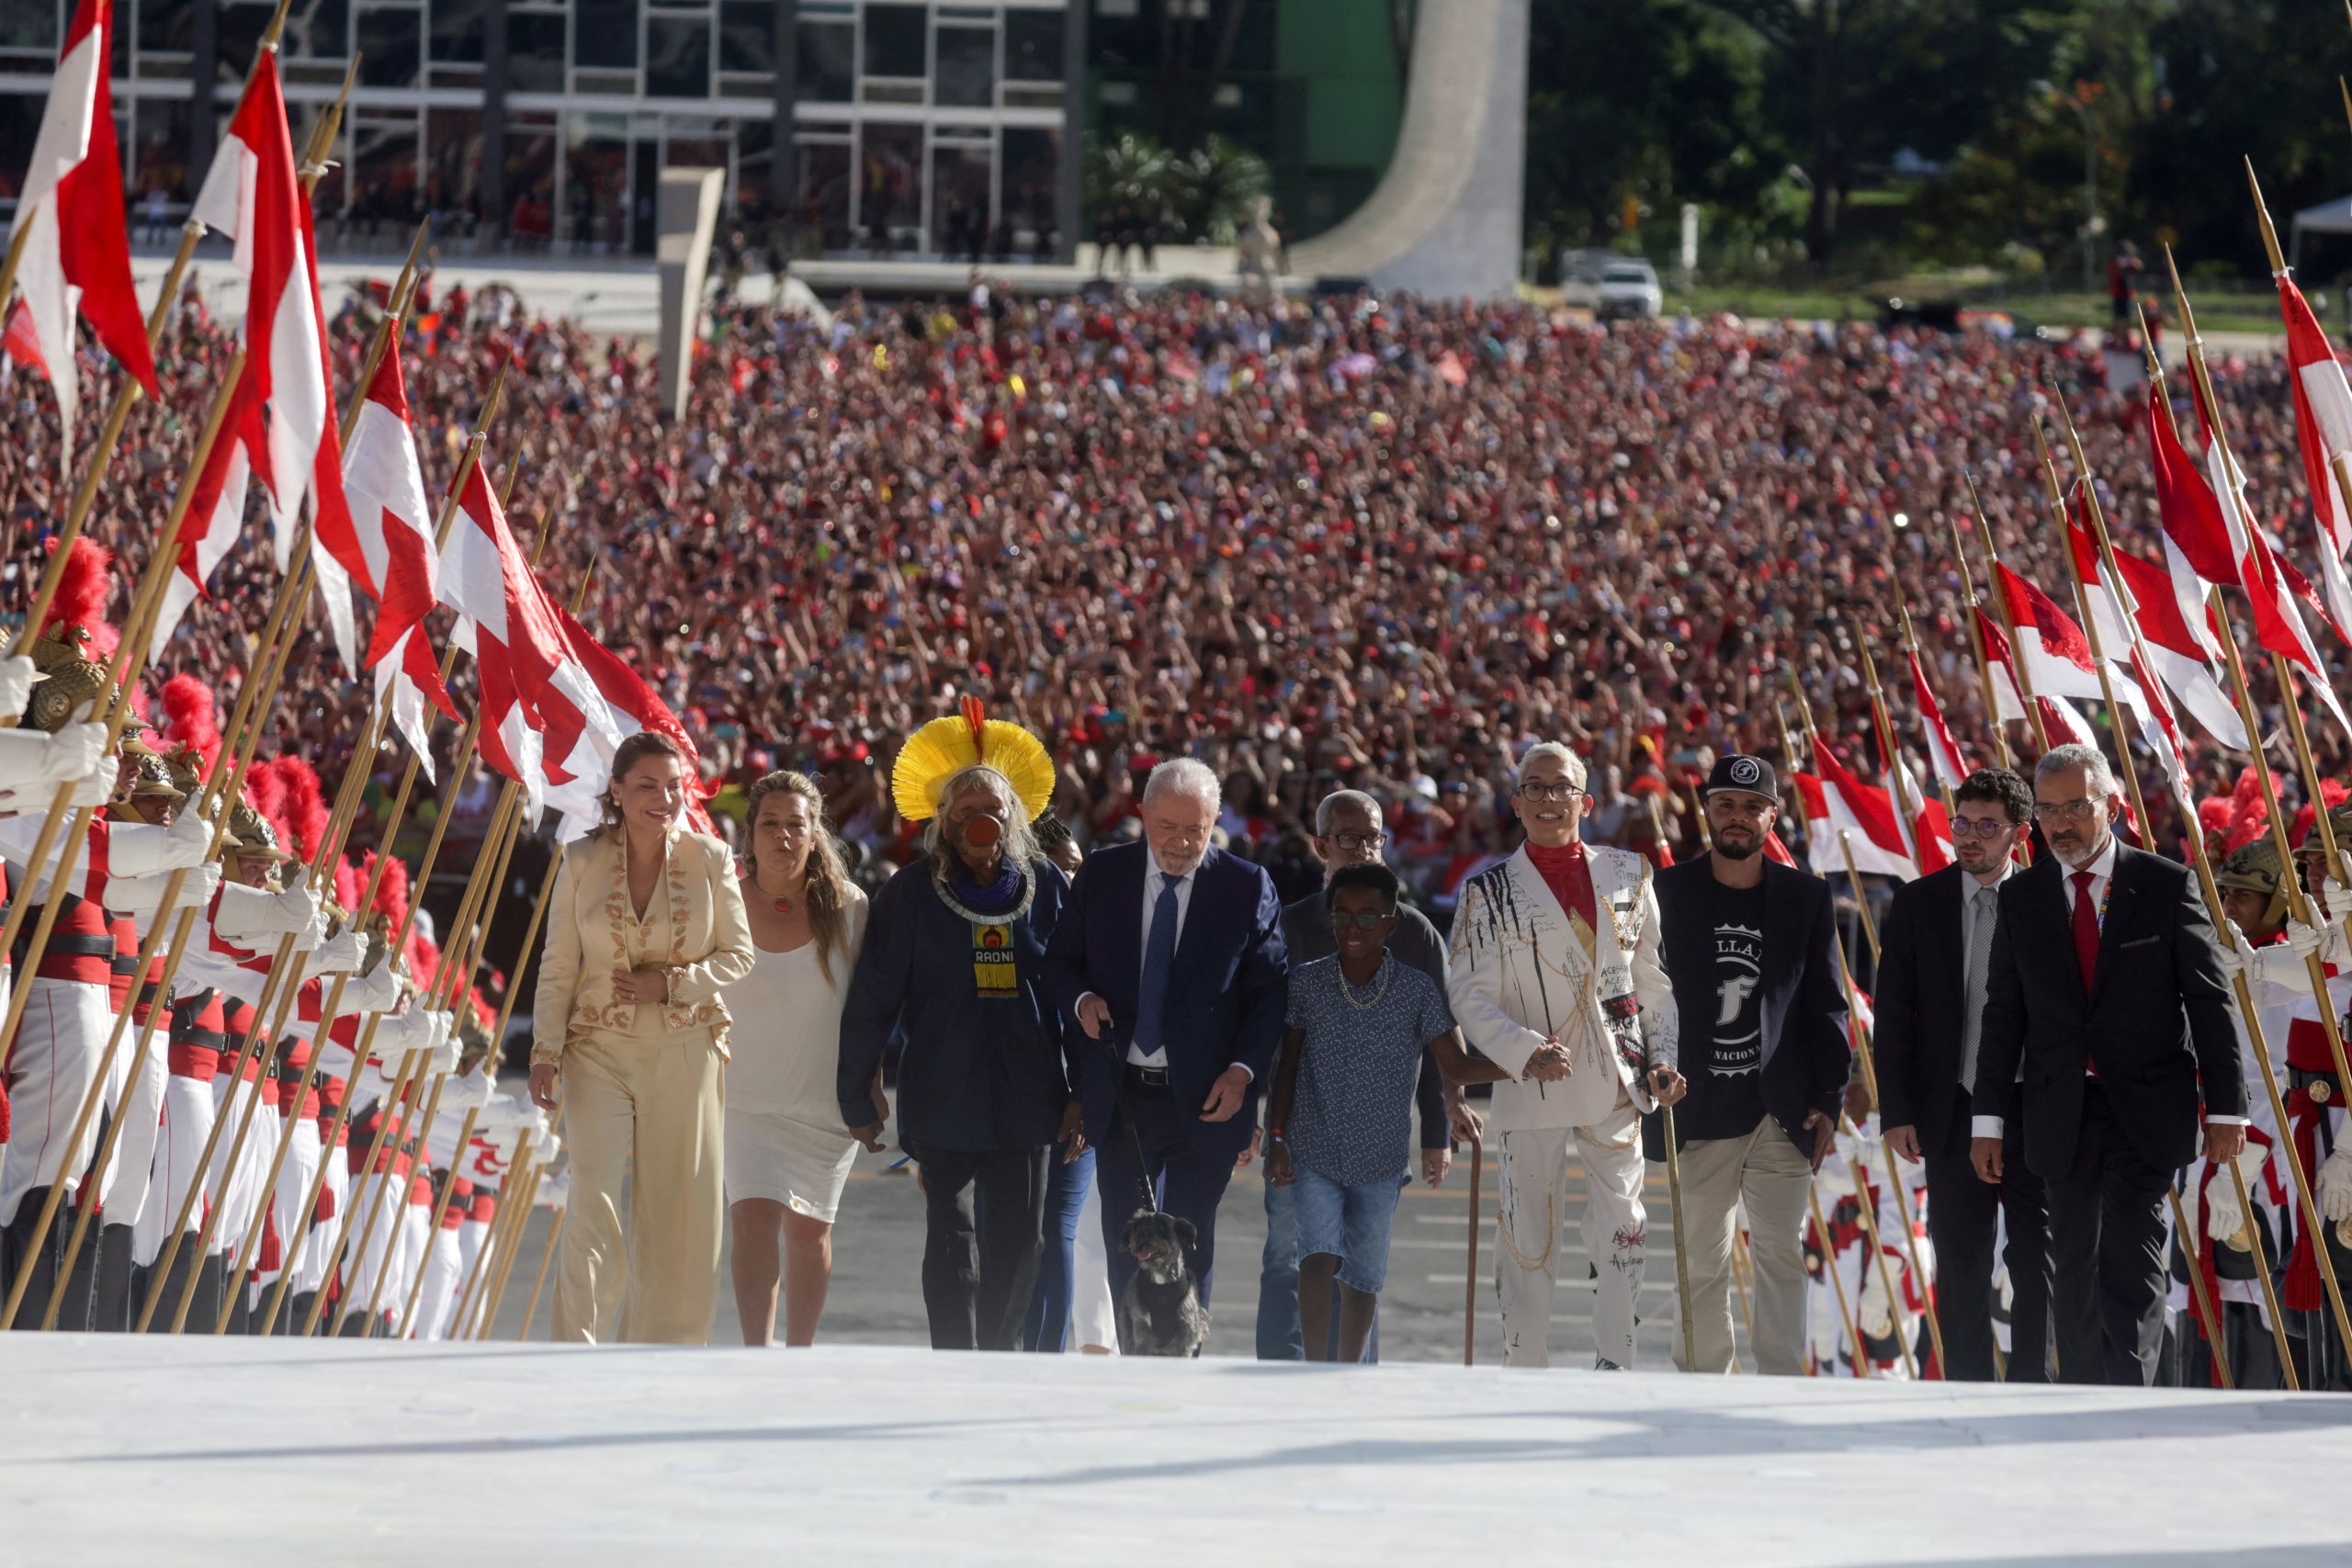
(2323, 433)
(1942, 750)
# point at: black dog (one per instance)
(1161, 1310)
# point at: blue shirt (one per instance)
(1350, 1120)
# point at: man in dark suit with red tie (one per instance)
(2106, 983)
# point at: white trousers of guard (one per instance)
(1532, 1165)
(51, 1065)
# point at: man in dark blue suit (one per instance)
(1168, 956)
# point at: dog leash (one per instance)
(1127, 1118)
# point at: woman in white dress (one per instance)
(788, 1153)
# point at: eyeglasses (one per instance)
(1362, 922)
(2061, 810)
(1352, 841)
(1981, 828)
(1541, 791)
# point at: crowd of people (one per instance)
(1347, 549)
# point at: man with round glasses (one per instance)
(1937, 946)
(1555, 980)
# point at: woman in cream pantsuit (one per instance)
(645, 930)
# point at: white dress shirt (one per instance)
(2102, 870)
(1152, 879)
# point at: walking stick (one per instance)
(1681, 1249)
(2204, 1297)
(1470, 1282)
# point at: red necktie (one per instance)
(2086, 930)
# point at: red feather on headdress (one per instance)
(391, 893)
(191, 719)
(84, 586)
(2248, 817)
(306, 804)
(266, 793)
(349, 883)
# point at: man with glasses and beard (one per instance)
(1751, 946)
(2106, 989)
(1937, 946)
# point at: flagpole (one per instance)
(1846, 1318)
(392, 1240)
(1977, 645)
(555, 1235)
(440, 1210)
(1887, 748)
(475, 1277)
(512, 1252)
(2188, 1245)
(1869, 926)
(2339, 463)
(394, 1118)
(2009, 619)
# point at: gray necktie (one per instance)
(1983, 906)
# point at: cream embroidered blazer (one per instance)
(695, 928)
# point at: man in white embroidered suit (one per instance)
(1555, 980)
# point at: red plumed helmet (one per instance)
(349, 883)
(391, 893)
(191, 719)
(306, 804)
(266, 793)
(84, 586)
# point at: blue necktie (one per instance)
(1158, 958)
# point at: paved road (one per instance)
(876, 1296)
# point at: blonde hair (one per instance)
(828, 891)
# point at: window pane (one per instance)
(315, 30)
(533, 51)
(457, 27)
(27, 24)
(388, 48)
(966, 75)
(237, 29)
(453, 159)
(826, 66)
(530, 182)
(603, 33)
(166, 27)
(893, 37)
(1032, 159)
(747, 35)
(1033, 45)
(959, 200)
(890, 196)
(596, 175)
(824, 193)
(159, 150)
(384, 176)
(19, 123)
(677, 57)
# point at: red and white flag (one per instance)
(288, 427)
(384, 487)
(2060, 720)
(2324, 432)
(2179, 651)
(1927, 835)
(1853, 815)
(2053, 648)
(580, 753)
(76, 258)
(1942, 750)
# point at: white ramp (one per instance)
(1444, 219)
(128, 1449)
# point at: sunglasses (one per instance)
(1363, 922)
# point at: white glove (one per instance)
(337, 955)
(379, 991)
(300, 911)
(73, 752)
(16, 678)
(186, 842)
(203, 882)
(2335, 901)
(401, 1032)
(2333, 1193)
(97, 787)
(1878, 1311)
(445, 1048)
(2224, 1218)
(2237, 960)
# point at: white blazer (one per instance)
(1518, 974)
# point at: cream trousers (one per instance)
(1763, 1173)
(651, 1111)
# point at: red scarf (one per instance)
(1569, 877)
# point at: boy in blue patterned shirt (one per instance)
(1341, 1124)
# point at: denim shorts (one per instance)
(1350, 1223)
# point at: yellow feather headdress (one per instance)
(934, 753)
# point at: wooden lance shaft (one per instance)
(2262, 1272)
(1911, 653)
(1846, 1318)
(440, 1212)
(1895, 766)
(127, 398)
(1969, 601)
(410, 1063)
(1863, 1052)
(1861, 901)
(78, 836)
(2008, 620)
(2201, 858)
(401, 1202)
(383, 1156)
(509, 1254)
(2188, 1245)
(470, 1293)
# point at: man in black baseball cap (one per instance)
(1748, 945)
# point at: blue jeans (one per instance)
(1350, 1222)
(1278, 1332)
(1047, 1327)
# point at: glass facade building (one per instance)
(935, 128)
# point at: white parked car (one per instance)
(1610, 286)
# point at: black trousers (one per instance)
(43, 1264)
(204, 1306)
(111, 1312)
(2107, 1254)
(1964, 1214)
(1178, 1178)
(978, 1278)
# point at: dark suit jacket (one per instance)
(1921, 1002)
(2156, 1020)
(1225, 996)
(1806, 1055)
